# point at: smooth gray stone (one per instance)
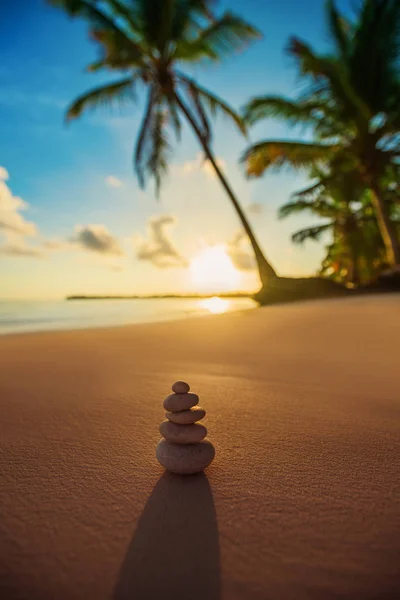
(186, 417)
(185, 459)
(178, 402)
(183, 434)
(180, 387)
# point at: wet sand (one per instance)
(301, 502)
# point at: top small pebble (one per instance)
(181, 387)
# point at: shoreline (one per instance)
(186, 317)
(104, 328)
(171, 319)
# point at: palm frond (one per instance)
(334, 75)
(294, 207)
(89, 10)
(96, 66)
(200, 112)
(224, 36)
(103, 96)
(375, 58)
(156, 17)
(339, 29)
(157, 163)
(292, 111)
(173, 117)
(321, 206)
(189, 18)
(213, 103)
(144, 134)
(277, 154)
(118, 52)
(311, 233)
(309, 192)
(128, 14)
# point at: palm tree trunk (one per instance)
(265, 270)
(386, 227)
(355, 271)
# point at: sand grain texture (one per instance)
(301, 501)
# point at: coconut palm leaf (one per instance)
(293, 112)
(103, 96)
(322, 207)
(144, 133)
(330, 74)
(277, 154)
(186, 22)
(223, 37)
(129, 15)
(311, 233)
(173, 117)
(214, 104)
(340, 30)
(89, 10)
(118, 52)
(157, 163)
(204, 122)
(311, 191)
(374, 61)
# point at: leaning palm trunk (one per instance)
(265, 270)
(355, 278)
(386, 226)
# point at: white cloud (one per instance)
(242, 257)
(201, 164)
(96, 238)
(13, 225)
(3, 174)
(159, 248)
(10, 208)
(113, 181)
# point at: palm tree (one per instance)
(150, 41)
(351, 104)
(356, 249)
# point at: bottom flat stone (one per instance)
(185, 459)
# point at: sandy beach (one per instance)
(301, 502)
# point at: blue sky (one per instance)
(78, 183)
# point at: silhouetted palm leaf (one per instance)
(340, 30)
(277, 154)
(223, 37)
(311, 233)
(103, 96)
(215, 104)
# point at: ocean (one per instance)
(30, 316)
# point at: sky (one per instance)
(73, 218)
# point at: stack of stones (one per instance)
(184, 449)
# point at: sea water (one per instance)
(21, 316)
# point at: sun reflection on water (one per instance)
(215, 305)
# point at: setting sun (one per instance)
(215, 305)
(212, 269)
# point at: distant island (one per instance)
(163, 296)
